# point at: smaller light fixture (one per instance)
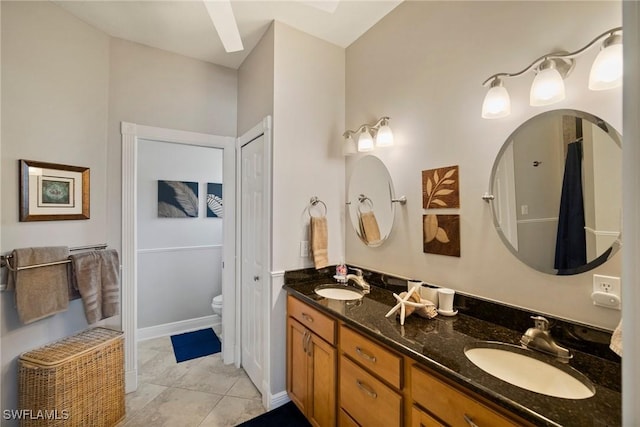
(547, 87)
(497, 102)
(606, 71)
(349, 146)
(365, 141)
(381, 131)
(384, 137)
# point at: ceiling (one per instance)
(184, 26)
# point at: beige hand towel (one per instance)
(319, 241)
(41, 291)
(369, 227)
(616, 340)
(96, 276)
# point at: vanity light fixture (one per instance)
(551, 70)
(365, 133)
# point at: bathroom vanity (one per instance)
(349, 365)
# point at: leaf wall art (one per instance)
(177, 199)
(441, 234)
(440, 188)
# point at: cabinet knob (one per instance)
(256, 278)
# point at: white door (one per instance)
(252, 231)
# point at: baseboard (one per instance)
(278, 399)
(131, 381)
(177, 327)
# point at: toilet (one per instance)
(216, 305)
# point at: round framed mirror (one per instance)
(369, 200)
(557, 187)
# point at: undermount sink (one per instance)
(338, 292)
(519, 366)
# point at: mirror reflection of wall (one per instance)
(369, 197)
(551, 229)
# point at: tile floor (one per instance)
(200, 392)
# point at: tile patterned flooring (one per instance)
(201, 392)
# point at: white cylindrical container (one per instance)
(414, 284)
(445, 299)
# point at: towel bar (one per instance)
(314, 201)
(4, 259)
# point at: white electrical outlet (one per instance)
(606, 291)
(304, 248)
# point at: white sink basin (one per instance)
(338, 292)
(517, 366)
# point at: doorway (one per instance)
(131, 134)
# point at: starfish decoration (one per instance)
(402, 302)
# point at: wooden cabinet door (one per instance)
(297, 364)
(321, 409)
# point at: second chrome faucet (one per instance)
(539, 338)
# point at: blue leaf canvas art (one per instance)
(214, 200)
(177, 199)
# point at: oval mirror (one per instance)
(557, 187)
(369, 200)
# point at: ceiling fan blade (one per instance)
(225, 23)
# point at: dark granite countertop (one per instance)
(439, 344)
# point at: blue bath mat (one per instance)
(192, 345)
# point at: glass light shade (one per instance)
(497, 103)
(384, 138)
(365, 142)
(547, 88)
(349, 146)
(606, 71)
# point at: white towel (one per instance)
(616, 340)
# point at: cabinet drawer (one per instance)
(374, 357)
(321, 324)
(450, 404)
(366, 399)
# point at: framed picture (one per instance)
(51, 192)
(177, 199)
(214, 200)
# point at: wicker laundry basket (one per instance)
(76, 381)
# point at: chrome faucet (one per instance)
(359, 280)
(539, 338)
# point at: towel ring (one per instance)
(364, 201)
(313, 203)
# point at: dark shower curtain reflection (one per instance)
(571, 246)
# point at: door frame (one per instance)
(131, 133)
(262, 128)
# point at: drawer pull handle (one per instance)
(367, 389)
(365, 355)
(467, 418)
(308, 318)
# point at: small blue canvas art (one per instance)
(214, 200)
(177, 199)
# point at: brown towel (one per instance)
(96, 276)
(616, 340)
(319, 241)
(369, 227)
(41, 291)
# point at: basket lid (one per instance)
(73, 346)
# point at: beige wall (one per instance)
(255, 84)
(423, 66)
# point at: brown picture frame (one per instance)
(52, 192)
